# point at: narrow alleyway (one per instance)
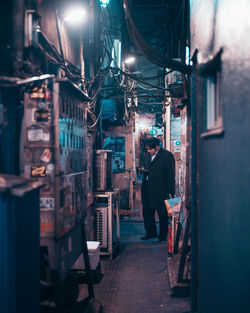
(136, 281)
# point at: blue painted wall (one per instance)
(224, 161)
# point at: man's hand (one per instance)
(142, 170)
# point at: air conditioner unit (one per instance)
(103, 170)
(101, 228)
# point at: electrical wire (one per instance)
(75, 74)
(108, 37)
(51, 52)
(130, 75)
(93, 125)
(142, 87)
(132, 87)
(146, 50)
(146, 83)
(23, 65)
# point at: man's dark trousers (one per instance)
(149, 221)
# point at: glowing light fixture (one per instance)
(152, 131)
(104, 3)
(130, 60)
(75, 16)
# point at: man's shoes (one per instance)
(161, 240)
(147, 237)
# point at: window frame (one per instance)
(211, 73)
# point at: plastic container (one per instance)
(94, 256)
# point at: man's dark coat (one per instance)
(161, 179)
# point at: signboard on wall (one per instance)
(117, 145)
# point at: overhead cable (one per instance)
(146, 50)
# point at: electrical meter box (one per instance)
(55, 152)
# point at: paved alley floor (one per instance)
(136, 281)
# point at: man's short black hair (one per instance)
(151, 142)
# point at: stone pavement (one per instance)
(136, 281)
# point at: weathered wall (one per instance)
(224, 168)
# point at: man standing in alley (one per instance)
(157, 187)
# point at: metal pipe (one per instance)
(194, 207)
(17, 32)
(82, 65)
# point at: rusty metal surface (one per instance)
(55, 152)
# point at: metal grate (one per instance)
(101, 172)
(101, 226)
